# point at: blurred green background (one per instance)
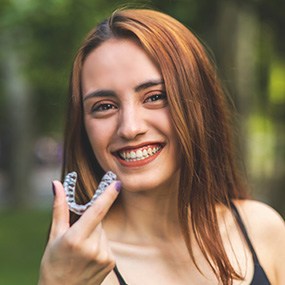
(37, 44)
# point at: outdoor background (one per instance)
(38, 40)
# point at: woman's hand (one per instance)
(79, 254)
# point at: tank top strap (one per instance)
(244, 231)
(119, 276)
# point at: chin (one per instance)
(149, 183)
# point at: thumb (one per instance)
(60, 214)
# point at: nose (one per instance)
(131, 123)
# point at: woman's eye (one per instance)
(156, 97)
(102, 107)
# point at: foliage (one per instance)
(46, 34)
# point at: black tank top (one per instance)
(259, 276)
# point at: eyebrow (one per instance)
(110, 93)
(148, 84)
(99, 94)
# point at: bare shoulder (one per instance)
(266, 229)
(259, 216)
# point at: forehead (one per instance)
(117, 63)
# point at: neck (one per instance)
(145, 216)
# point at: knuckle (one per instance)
(107, 262)
(111, 264)
(92, 253)
(71, 243)
(102, 257)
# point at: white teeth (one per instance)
(133, 154)
(139, 154)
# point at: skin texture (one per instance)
(140, 230)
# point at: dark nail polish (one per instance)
(118, 186)
(53, 188)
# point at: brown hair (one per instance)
(200, 116)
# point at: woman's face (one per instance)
(127, 117)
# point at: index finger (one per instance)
(95, 213)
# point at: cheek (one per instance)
(99, 134)
(163, 122)
(167, 127)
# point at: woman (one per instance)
(145, 103)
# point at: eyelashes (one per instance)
(155, 99)
(69, 188)
(103, 107)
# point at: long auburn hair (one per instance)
(200, 116)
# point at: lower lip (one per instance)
(138, 163)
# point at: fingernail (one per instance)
(53, 188)
(118, 186)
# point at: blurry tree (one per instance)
(250, 32)
(16, 129)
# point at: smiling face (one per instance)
(127, 118)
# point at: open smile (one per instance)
(143, 154)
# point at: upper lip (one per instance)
(144, 144)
